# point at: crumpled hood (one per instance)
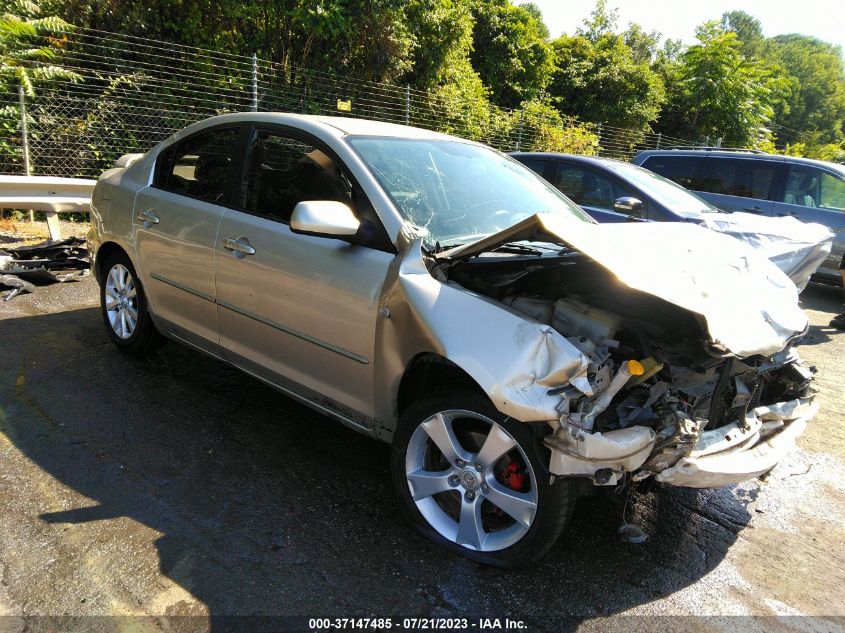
(749, 305)
(797, 248)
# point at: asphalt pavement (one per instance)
(175, 485)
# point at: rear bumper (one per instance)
(735, 453)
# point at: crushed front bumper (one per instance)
(735, 453)
(730, 454)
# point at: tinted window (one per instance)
(745, 178)
(588, 187)
(283, 171)
(199, 166)
(684, 170)
(810, 187)
(832, 192)
(534, 164)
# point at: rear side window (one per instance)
(536, 165)
(810, 187)
(198, 166)
(684, 170)
(746, 178)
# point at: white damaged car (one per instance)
(433, 293)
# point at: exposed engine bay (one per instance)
(659, 398)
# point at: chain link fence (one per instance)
(130, 93)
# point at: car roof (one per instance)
(334, 125)
(597, 161)
(749, 154)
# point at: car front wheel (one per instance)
(123, 305)
(474, 481)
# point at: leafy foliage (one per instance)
(485, 67)
(24, 60)
(715, 91)
(510, 52)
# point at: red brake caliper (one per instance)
(514, 477)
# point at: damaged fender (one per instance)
(514, 360)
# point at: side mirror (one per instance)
(324, 218)
(628, 205)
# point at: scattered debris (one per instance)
(49, 262)
(17, 284)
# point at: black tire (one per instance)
(144, 335)
(553, 499)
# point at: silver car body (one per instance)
(342, 328)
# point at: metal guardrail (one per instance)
(50, 194)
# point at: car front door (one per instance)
(175, 222)
(299, 310)
(595, 192)
(812, 194)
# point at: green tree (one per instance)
(510, 51)
(363, 39)
(442, 40)
(715, 91)
(602, 81)
(748, 31)
(814, 109)
(29, 46)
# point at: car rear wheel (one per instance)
(123, 305)
(475, 481)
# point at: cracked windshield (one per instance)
(455, 192)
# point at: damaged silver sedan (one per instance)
(433, 293)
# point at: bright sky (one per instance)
(824, 19)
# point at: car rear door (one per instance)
(175, 224)
(741, 184)
(297, 310)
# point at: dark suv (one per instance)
(767, 184)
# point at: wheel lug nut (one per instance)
(470, 495)
(478, 467)
(461, 463)
(453, 480)
(485, 488)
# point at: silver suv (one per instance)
(766, 184)
(433, 293)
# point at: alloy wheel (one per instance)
(471, 480)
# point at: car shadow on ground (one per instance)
(266, 507)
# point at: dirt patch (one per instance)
(14, 233)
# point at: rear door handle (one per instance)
(238, 247)
(148, 217)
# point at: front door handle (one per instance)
(238, 247)
(148, 217)
(756, 210)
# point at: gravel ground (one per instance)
(174, 485)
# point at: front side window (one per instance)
(283, 171)
(589, 188)
(832, 192)
(199, 166)
(811, 187)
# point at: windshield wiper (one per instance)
(517, 249)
